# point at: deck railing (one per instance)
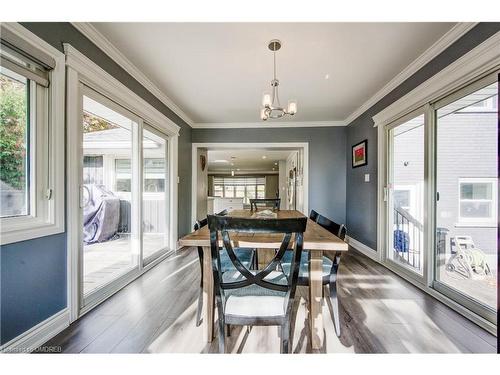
(408, 238)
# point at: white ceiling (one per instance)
(246, 160)
(217, 72)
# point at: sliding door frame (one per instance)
(82, 71)
(478, 63)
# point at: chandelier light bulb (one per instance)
(266, 100)
(292, 107)
(263, 114)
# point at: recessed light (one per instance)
(232, 163)
(237, 169)
(264, 157)
(275, 163)
(327, 76)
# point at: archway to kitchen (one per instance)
(244, 170)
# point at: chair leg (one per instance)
(333, 294)
(200, 307)
(228, 327)
(285, 338)
(255, 260)
(222, 346)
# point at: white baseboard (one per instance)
(363, 249)
(38, 335)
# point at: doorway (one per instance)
(238, 172)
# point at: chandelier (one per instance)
(271, 102)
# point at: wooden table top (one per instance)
(315, 237)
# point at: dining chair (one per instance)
(313, 215)
(247, 256)
(255, 297)
(330, 266)
(274, 203)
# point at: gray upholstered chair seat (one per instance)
(254, 300)
(244, 255)
(286, 262)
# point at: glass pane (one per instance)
(218, 191)
(108, 246)
(466, 215)
(250, 193)
(14, 151)
(240, 191)
(229, 191)
(261, 191)
(475, 190)
(154, 202)
(406, 201)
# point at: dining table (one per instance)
(317, 240)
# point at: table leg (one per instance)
(316, 298)
(208, 296)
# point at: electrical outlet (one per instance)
(367, 177)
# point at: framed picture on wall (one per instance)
(359, 154)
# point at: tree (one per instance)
(13, 132)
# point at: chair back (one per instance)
(313, 215)
(274, 203)
(226, 225)
(201, 223)
(337, 229)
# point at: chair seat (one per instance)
(243, 254)
(286, 262)
(254, 300)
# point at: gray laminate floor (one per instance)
(380, 313)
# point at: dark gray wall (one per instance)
(362, 197)
(327, 162)
(33, 273)
(33, 283)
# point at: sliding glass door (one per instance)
(124, 196)
(441, 196)
(109, 231)
(467, 195)
(405, 194)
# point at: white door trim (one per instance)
(81, 70)
(232, 145)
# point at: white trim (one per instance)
(82, 71)
(442, 44)
(363, 249)
(291, 145)
(48, 216)
(109, 49)
(266, 124)
(480, 60)
(92, 74)
(30, 340)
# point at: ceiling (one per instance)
(246, 160)
(217, 72)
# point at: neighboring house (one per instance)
(13, 201)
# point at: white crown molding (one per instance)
(109, 49)
(479, 61)
(443, 43)
(32, 339)
(266, 124)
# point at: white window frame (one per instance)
(81, 71)
(479, 222)
(47, 198)
(234, 187)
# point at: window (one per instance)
(154, 179)
(32, 136)
(240, 187)
(477, 201)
